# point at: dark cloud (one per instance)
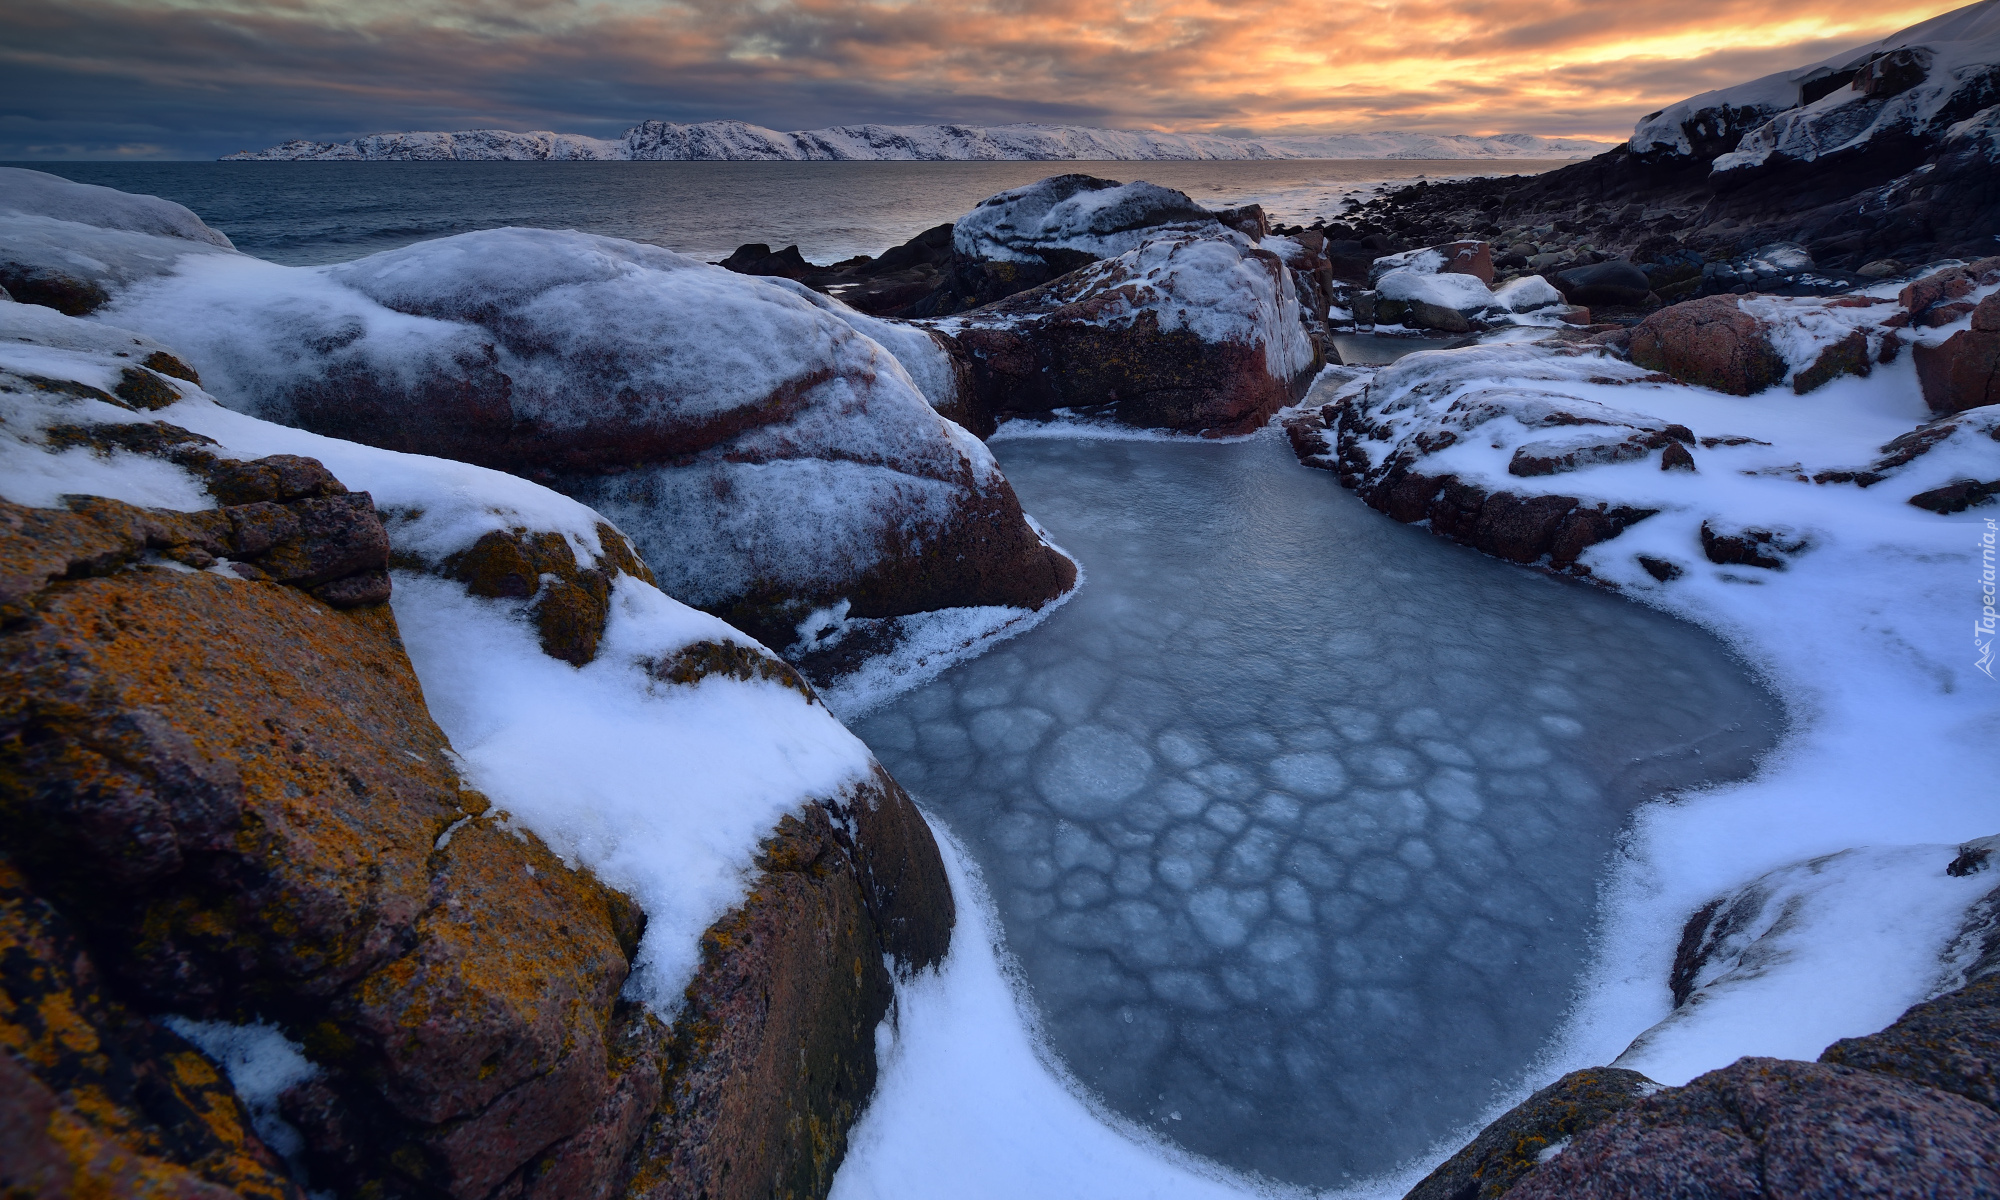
(194, 78)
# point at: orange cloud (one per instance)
(324, 68)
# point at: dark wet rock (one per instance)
(1957, 497)
(44, 285)
(1539, 1126)
(1607, 283)
(1767, 1127)
(756, 258)
(1710, 342)
(1749, 547)
(1677, 457)
(1661, 569)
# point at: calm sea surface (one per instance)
(302, 213)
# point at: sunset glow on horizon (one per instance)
(177, 77)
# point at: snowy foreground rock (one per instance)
(773, 459)
(1754, 462)
(483, 866)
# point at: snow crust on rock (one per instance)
(1963, 40)
(99, 234)
(915, 348)
(574, 319)
(1099, 217)
(663, 790)
(1867, 631)
(261, 1063)
(739, 140)
(1464, 293)
(1858, 930)
(1219, 286)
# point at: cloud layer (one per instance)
(195, 78)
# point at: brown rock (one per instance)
(144, 389)
(1938, 287)
(337, 536)
(1468, 258)
(1749, 547)
(1766, 1127)
(1709, 342)
(1951, 1043)
(98, 1101)
(1510, 1147)
(1957, 497)
(67, 294)
(773, 1056)
(1962, 373)
(570, 604)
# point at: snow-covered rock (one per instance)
(68, 245)
(768, 452)
(1074, 214)
(1190, 331)
(738, 140)
(1917, 82)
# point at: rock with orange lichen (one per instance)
(569, 604)
(96, 1100)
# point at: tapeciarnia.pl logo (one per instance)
(1982, 629)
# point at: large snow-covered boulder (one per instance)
(1071, 219)
(70, 245)
(1192, 331)
(772, 455)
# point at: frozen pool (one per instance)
(1295, 815)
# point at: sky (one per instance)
(138, 79)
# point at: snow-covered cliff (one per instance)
(738, 140)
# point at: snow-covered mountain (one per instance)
(738, 140)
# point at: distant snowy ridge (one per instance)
(719, 141)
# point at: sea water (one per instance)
(305, 213)
(1295, 816)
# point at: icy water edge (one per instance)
(1294, 816)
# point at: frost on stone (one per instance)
(91, 239)
(1080, 214)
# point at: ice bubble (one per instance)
(944, 741)
(1421, 723)
(1021, 834)
(1122, 837)
(1355, 724)
(1037, 872)
(1380, 880)
(1553, 695)
(1226, 817)
(1253, 858)
(1075, 846)
(1224, 780)
(1240, 984)
(1094, 929)
(1187, 855)
(1448, 753)
(1083, 888)
(1182, 749)
(1181, 798)
(1032, 906)
(1224, 918)
(1071, 691)
(1469, 851)
(985, 695)
(1483, 944)
(1561, 726)
(1343, 910)
(1507, 745)
(1090, 769)
(1009, 731)
(1387, 765)
(1252, 744)
(1456, 792)
(1312, 865)
(1188, 989)
(1292, 900)
(1310, 737)
(892, 731)
(1418, 854)
(1276, 808)
(1518, 785)
(1311, 774)
(1134, 876)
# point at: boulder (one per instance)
(1712, 343)
(1951, 1043)
(1964, 371)
(1193, 332)
(775, 457)
(1451, 258)
(1766, 1127)
(1616, 282)
(1532, 1131)
(1066, 221)
(70, 246)
(756, 258)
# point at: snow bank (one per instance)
(663, 790)
(1079, 213)
(739, 140)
